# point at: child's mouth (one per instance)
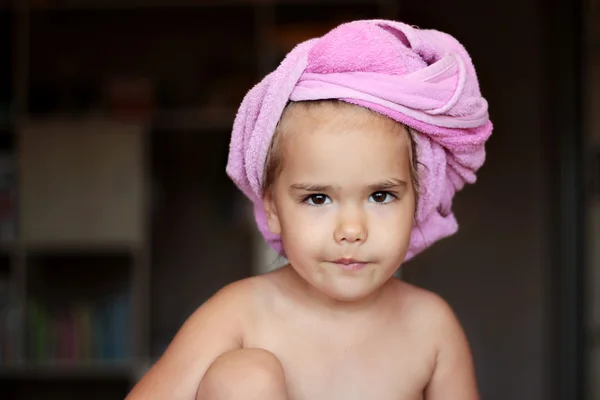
(350, 264)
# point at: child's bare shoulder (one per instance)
(248, 296)
(243, 295)
(425, 309)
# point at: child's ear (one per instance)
(271, 212)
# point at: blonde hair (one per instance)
(274, 161)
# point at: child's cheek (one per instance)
(315, 225)
(310, 229)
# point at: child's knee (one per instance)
(244, 374)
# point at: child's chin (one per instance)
(352, 292)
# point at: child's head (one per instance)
(332, 179)
(340, 183)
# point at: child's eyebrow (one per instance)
(308, 187)
(387, 184)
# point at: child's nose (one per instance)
(351, 226)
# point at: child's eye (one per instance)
(382, 197)
(317, 199)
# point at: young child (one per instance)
(351, 152)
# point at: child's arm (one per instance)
(213, 329)
(454, 376)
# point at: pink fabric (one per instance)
(422, 78)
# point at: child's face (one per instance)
(344, 193)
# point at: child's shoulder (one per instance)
(246, 294)
(423, 307)
(243, 292)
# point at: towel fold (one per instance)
(422, 78)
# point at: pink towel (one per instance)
(422, 78)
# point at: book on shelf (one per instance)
(81, 333)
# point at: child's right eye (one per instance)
(317, 199)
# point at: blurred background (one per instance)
(117, 219)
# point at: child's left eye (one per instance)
(382, 197)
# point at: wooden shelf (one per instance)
(101, 248)
(49, 249)
(66, 369)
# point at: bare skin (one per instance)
(318, 329)
(412, 348)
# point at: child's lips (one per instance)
(350, 264)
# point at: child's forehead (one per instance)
(324, 135)
(352, 155)
(325, 138)
(334, 116)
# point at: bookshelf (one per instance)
(114, 205)
(75, 291)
